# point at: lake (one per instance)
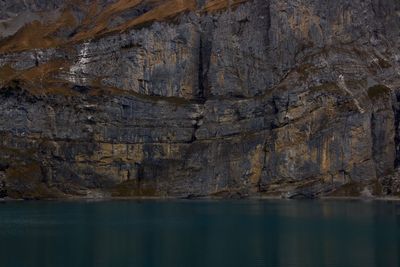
(200, 233)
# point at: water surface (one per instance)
(200, 233)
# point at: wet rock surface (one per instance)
(298, 99)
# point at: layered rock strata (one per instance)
(293, 98)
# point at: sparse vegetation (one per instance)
(39, 35)
(214, 5)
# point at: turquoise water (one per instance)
(200, 233)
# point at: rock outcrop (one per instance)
(186, 98)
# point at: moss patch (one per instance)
(25, 173)
(131, 188)
(38, 191)
(305, 71)
(378, 91)
(327, 87)
(384, 63)
(351, 189)
(25, 182)
(7, 73)
(376, 188)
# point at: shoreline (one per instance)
(207, 198)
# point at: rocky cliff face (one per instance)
(194, 98)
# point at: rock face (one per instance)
(298, 98)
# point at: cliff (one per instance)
(186, 98)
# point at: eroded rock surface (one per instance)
(123, 98)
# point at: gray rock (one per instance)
(286, 98)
